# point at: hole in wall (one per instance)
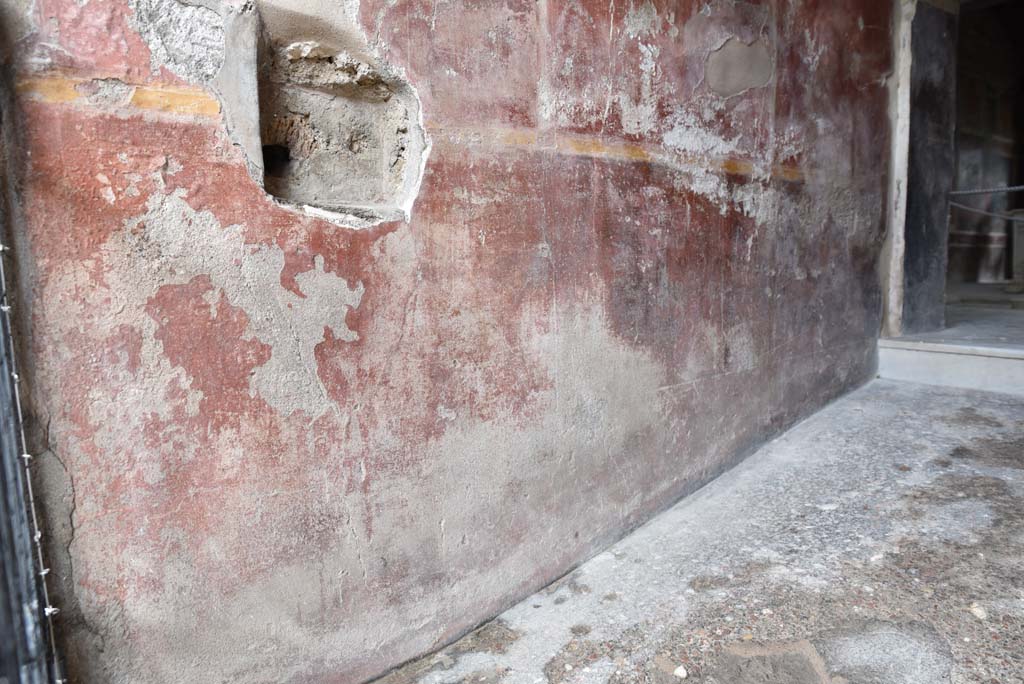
(275, 160)
(340, 135)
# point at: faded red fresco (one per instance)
(304, 453)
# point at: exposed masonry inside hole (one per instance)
(334, 135)
(339, 136)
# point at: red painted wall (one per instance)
(295, 452)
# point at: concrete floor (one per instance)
(879, 542)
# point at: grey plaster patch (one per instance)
(186, 39)
(449, 464)
(737, 66)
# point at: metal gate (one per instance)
(26, 635)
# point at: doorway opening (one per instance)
(955, 275)
(985, 267)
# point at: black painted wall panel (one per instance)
(931, 167)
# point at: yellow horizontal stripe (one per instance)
(58, 88)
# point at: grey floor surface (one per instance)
(978, 326)
(985, 294)
(881, 541)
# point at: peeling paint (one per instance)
(290, 324)
(641, 20)
(640, 115)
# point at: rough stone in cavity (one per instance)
(304, 49)
(736, 67)
(339, 134)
